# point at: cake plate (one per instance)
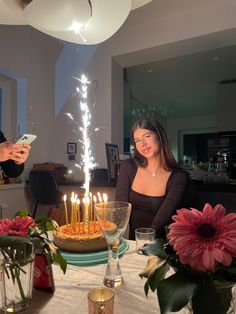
(94, 258)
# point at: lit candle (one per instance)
(75, 212)
(72, 212)
(88, 211)
(83, 222)
(66, 212)
(99, 197)
(94, 217)
(91, 207)
(78, 204)
(105, 198)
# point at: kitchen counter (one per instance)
(215, 187)
(224, 194)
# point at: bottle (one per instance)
(43, 276)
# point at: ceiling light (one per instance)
(57, 15)
(78, 21)
(138, 3)
(215, 59)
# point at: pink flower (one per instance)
(203, 240)
(18, 226)
(5, 225)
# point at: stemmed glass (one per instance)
(113, 218)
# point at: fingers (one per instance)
(20, 153)
(6, 149)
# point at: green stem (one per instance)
(17, 274)
(15, 271)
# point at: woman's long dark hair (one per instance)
(168, 161)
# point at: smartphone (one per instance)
(26, 139)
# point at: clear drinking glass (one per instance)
(113, 218)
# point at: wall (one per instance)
(31, 56)
(159, 24)
(149, 33)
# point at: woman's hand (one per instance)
(6, 149)
(20, 153)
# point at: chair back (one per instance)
(43, 187)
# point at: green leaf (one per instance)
(6, 240)
(175, 292)
(45, 224)
(58, 258)
(155, 249)
(146, 287)
(22, 213)
(157, 276)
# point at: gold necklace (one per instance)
(153, 174)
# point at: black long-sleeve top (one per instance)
(154, 211)
(10, 168)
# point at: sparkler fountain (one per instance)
(83, 233)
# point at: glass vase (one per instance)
(202, 303)
(17, 277)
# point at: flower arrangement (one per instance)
(19, 237)
(200, 253)
(31, 230)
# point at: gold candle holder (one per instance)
(101, 301)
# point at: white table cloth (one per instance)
(71, 291)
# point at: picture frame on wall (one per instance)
(71, 148)
(113, 161)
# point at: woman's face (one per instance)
(146, 143)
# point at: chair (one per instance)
(44, 189)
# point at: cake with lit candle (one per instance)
(83, 233)
(83, 240)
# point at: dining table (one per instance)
(71, 288)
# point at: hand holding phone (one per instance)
(26, 139)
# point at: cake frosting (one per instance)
(81, 239)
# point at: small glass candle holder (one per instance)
(101, 301)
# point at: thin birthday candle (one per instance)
(72, 212)
(88, 211)
(75, 212)
(99, 197)
(83, 223)
(105, 198)
(91, 208)
(94, 217)
(78, 213)
(66, 211)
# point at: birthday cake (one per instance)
(80, 239)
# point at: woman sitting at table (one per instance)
(152, 181)
(12, 157)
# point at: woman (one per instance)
(12, 157)
(152, 181)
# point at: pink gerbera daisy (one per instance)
(5, 225)
(18, 226)
(203, 240)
